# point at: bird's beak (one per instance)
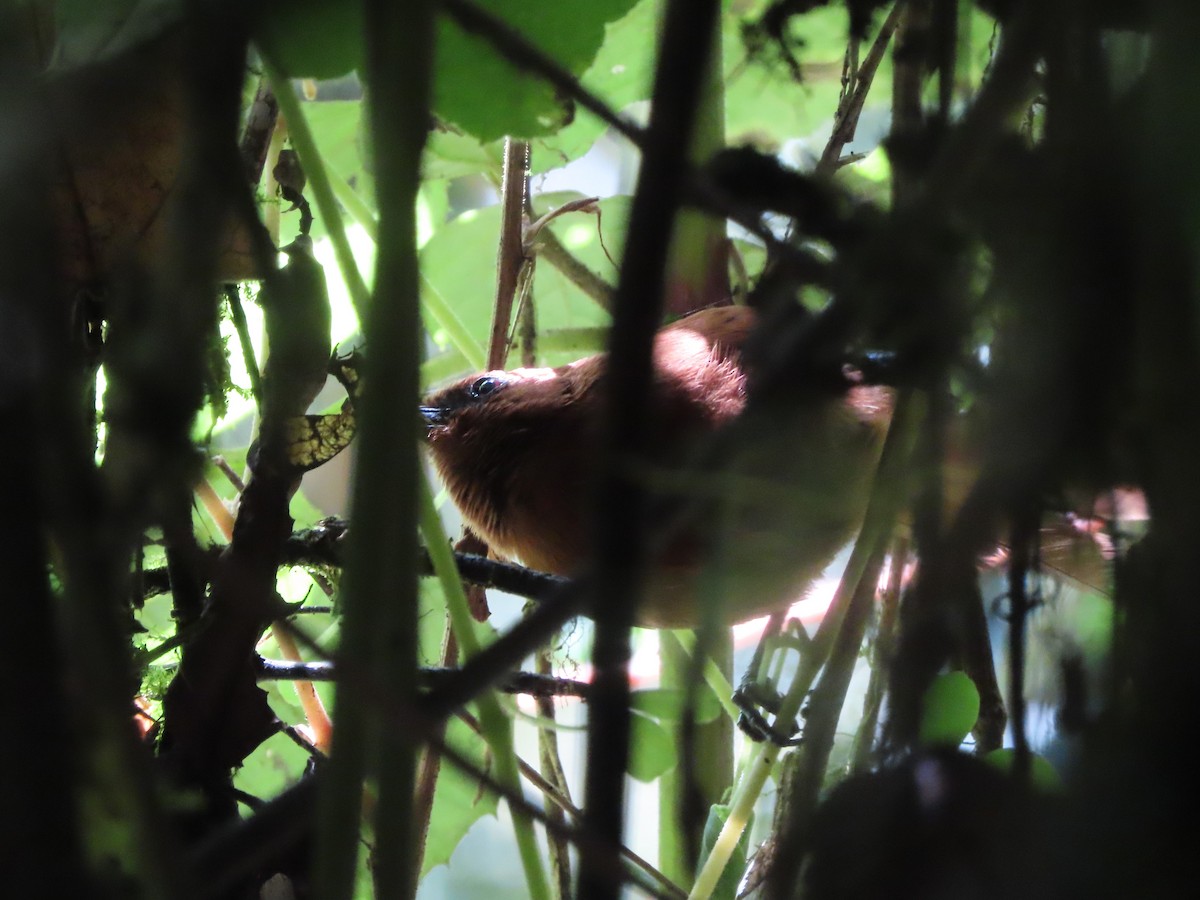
(432, 416)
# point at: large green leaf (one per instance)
(458, 802)
(459, 262)
(484, 94)
(337, 129)
(622, 73)
(314, 38)
(451, 154)
(275, 764)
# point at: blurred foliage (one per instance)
(1055, 241)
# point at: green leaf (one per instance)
(314, 38)
(621, 73)
(764, 105)
(458, 803)
(653, 749)
(489, 97)
(451, 154)
(275, 764)
(431, 622)
(459, 262)
(337, 129)
(667, 705)
(1041, 773)
(1092, 618)
(950, 708)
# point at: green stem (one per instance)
(379, 592)
(322, 188)
(713, 676)
(696, 278)
(445, 316)
(432, 302)
(674, 667)
(878, 522)
(496, 727)
(354, 205)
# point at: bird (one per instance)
(755, 497)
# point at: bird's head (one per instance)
(514, 445)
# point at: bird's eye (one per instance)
(481, 387)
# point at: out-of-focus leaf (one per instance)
(314, 38)
(652, 748)
(667, 704)
(621, 74)
(515, 102)
(1041, 773)
(117, 172)
(764, 106)
(951, 706)
(89, 32)
(336, 127)
(277, 763)
(452, 154)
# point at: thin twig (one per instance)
(881, 653)
(553, 774)
(233, 297)
(562, 801)
(431, 762)
(281, 820)
(308, 548)
(227, 470)
(510, 253)
(551, 249)
(1024, 533)
(845, 120)
(824, 710)
(310, 701)
(529, 683)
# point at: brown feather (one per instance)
(792, 483)
(769, 493)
